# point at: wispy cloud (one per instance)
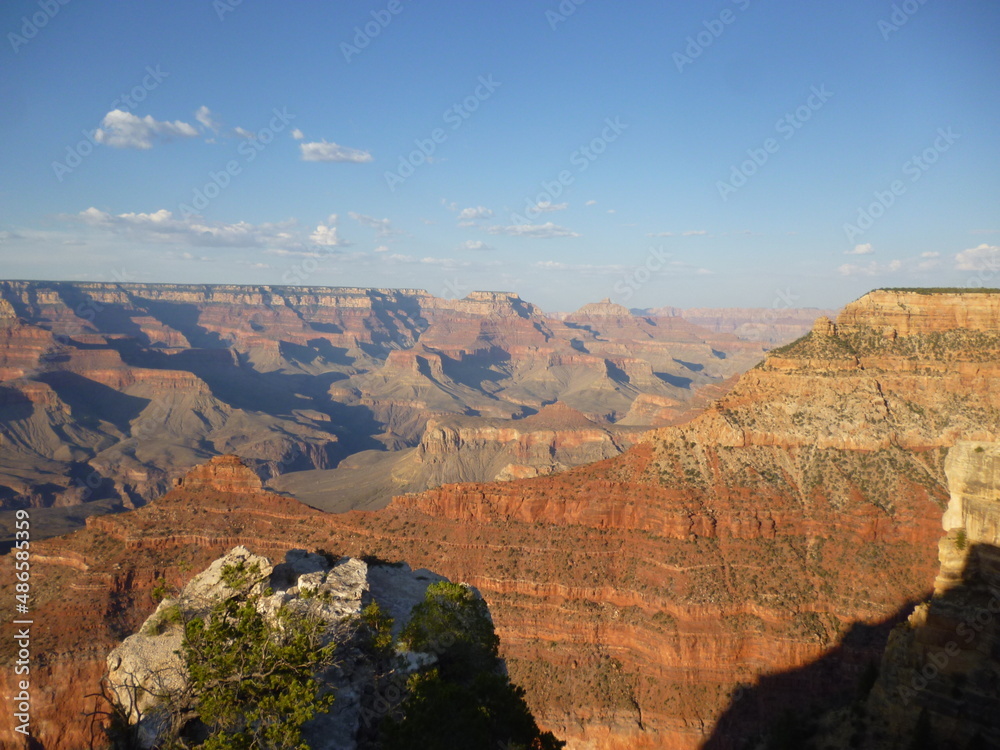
(163, 226)
(467, 217)
(865, 249)
(122, 129)
(324, 151)
(383, 227)
(538, 231)
(207, 118)
(982, 258)
(547, 206)
(475, 245)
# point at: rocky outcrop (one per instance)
(147, 668)
(221, 474)
(940, 674)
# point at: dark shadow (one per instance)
(473, 371)
(938, 689)
(827, 683)
(692, 366)
(616, 373)
(675, 380)
(106, 317)
(184, 317)
(14, 405)
(325, 327)
(91, 402)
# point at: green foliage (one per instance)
(379, 626)
(485, 712)
(252, 679)
(160, 590)
(453, 623)
(961, 539)
(466, 702)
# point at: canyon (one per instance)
(109, 392)
(689, 592)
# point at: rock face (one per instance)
(113, 391)
(148, 665)
(221, 474)
(940, 675)
(641, 598)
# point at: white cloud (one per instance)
(163, 227)
(865, 249)
(930, 255)
(382, 227)
(469, 216)
(546, 206)
(612, 210)
(326, 235)
(538, 231)
(122, 129)
(298, 134)
(381, 249)
(207, 118)
(323, 151)
(851, 269)
(475, 245)
(590, 203)
(694, 233)
(244, 133)
(981, 258)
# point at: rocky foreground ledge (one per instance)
(148, 665)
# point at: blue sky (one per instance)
(732, 152)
